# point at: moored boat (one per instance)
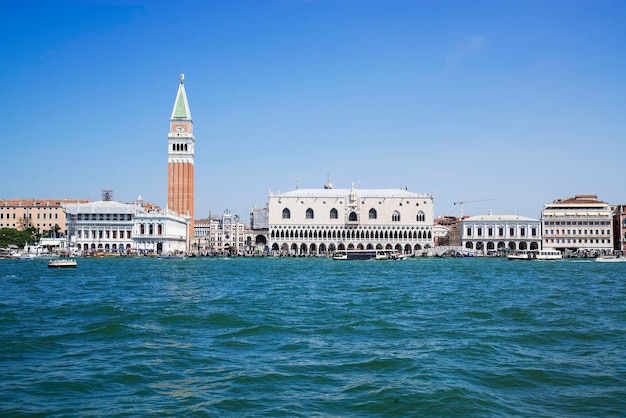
(611, 259)
(62, 263)
(549, 254)
(355, 255)
(171, 257)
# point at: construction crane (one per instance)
(462, 202)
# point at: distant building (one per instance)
(447, 231)
(180, 159)
(225, 234)
(321, 221)
(492, 233)
(579, 223)
(42, 214)
(619, 228)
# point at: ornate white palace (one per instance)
(321, 221)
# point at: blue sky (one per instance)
(522, 102)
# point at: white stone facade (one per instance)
(491, 233)
(161, 233)
(101, 226)
(108, 226)
(581, 223)
(320, 221)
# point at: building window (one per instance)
(501, 232)
(352, 217)
(421, 216)
(309, 213)
(373, 214)
(286, 214)
(395, 217)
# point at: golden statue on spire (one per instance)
(182, 77)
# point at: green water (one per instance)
(313, 337)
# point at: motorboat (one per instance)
(549, 254)
(611, 259)
(355, 255)
(63, 263)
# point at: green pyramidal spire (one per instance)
(181, 107)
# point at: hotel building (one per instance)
(579, 223)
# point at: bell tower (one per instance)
(180, 159)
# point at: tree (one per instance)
(12, 236)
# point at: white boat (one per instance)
(549, 254)
(521, 255)
(63, 263)
(389, 255)
(545, 254)
(611, 259)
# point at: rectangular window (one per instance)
(469, 231)
(479, 232)
(512, 232)
(501, 231)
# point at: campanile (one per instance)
(180, 158)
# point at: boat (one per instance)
(355, 255)
(389, 255)
(611, 259)
(171, 257)
(545, 254)
(63, 263)
(521, 255)
(549, 254)
(368, 255)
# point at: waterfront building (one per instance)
(159, 232)
(579, 223)
(101, 226)
(619, 228)
(219, 235)
(180, 159)
(47, 215)
(447, 231)
(107, 226)
(488, 234)
(321, 221)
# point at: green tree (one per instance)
(11, 236)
